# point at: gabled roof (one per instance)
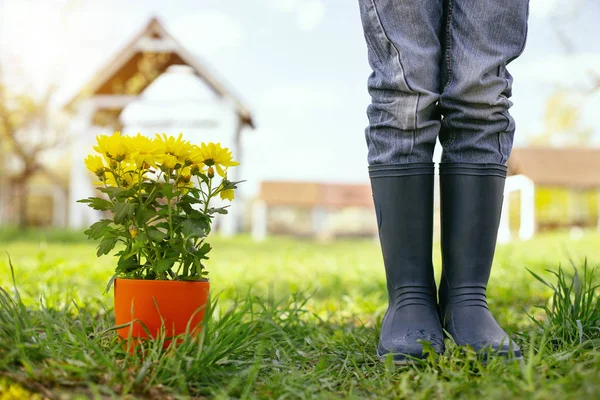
(154, 41)
(577, 168)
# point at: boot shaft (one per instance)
(471, 197)
(403, 197)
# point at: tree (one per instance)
(26, 133)
(563, 108)
(562, 121)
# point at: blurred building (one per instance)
(547, 188)
(323, 210)
(552, 188)
(119, 86)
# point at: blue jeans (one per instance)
(439, 69)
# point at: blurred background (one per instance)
(283, 84)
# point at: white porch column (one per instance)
(319, 222)
(527, 224)
(527, 229)
(259, 220)
(59, 207)
(504, 229)
(82, 135)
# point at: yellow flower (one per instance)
(213, 154)
(172, 150)
(133, 231)
(142, 151)
(96, 165)
(169, 160)
(114, 147)
(13, 391)
(227, 194)
(110, 180)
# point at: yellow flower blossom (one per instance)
(172, 151)
(133, 231)
(113, 147)
(13, 391)
(212, 154)
(96, 165)
(143, 151)
(227, 194)
(168, 160)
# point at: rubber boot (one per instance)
(471, 204)
(403, 196)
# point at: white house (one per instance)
(117, 98)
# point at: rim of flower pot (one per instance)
(159, 281)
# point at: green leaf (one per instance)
(98, 229)
(123, 211)
(230, 185)
(194, 228)
(199, 266)
(156, 235)
(191, 199)
(164, 265)
(186, 207)
(221, 210)
(97, 203)
(198, 215)
(127, 264)
(164, 212)
(204, 249)
(106, 245)
(116, 192)
(110, 282)
(204, 178)
(144, 215)
(163, 225)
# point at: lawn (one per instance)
(291, 319)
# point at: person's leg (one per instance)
(482, 37)
(404, 52)
(405, 55)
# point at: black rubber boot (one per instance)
(471, 203)
(403, 196)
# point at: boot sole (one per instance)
(402, 362)
(415, 360)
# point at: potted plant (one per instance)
(158, 193)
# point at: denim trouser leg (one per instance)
(481, 38)
(451, 51)
(403, 42)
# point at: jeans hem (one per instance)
(473, 169)
(391, 170)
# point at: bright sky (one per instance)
(299, 64)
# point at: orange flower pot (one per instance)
(177, 303)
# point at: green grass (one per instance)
(294, 319)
